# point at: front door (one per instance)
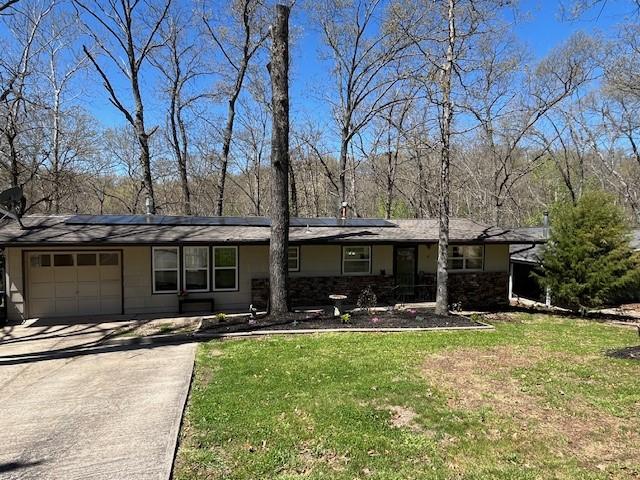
(405, 271)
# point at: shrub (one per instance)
(455, 307)
(221, 317)
(345, 318)
(588, 261)
(367, 299)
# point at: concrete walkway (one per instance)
(72, 408)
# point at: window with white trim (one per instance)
(195, 261)
(40, 260)
(356, 260)
(294, 259)
(225, 268)
(465, 257)
(165, 267)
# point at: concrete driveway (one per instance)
(74, 407)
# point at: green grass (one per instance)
(320, 406)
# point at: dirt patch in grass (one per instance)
(628, 353)
(310, 457)
(403, 417)
(504, 317)
(482, 379)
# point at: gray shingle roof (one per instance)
(54, 230)
(527, 254)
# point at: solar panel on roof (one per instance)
(221, 221)
(338, 222)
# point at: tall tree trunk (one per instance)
(138, 120)
(145, 160)
(257, 174)
(342, 166)
(141, 133)
(56, 153)
(294, 190)
(354, 189)
(184, 177)
(226, 147)
(442, 290)
(179, 140)
(421, 188)
(13, 158)
(278, 247)
(389, 186)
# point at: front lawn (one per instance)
(537, 398)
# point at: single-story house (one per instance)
(130, 264)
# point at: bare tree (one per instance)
(445, 36)
(442, 290)
(7, 4)
(19, 107)
(130, 29)
(363, 52)
(238, 46)
(180, 63)
(388, 150)
(70, 134)
(252, 144)
(508, 111)
(116, 174)
(278, 246)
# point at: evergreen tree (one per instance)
(588, 261)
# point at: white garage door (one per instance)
(74, 283)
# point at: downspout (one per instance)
(545, 233)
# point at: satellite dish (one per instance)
(12, 203)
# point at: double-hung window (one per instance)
(165, 265)
(195, 261)
(465, 257)
(294, 259)
(225, 268)
(356, 260)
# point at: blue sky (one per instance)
(539, 25)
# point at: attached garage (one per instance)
(66, 283)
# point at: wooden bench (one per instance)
(182, 301)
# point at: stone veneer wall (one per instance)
(471, 289)
(306, 291)
(479, 289)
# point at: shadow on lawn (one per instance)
(627, 353)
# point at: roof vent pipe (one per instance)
(147, 204)
(545, 225)
(343, 210)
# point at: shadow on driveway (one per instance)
(64, 338)
(13, 466)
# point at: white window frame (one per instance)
(344, 259)
(185, 269)
(297, 250)
(465, 259)
(214, 268)
(153, 269)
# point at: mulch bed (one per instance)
(306, 321)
